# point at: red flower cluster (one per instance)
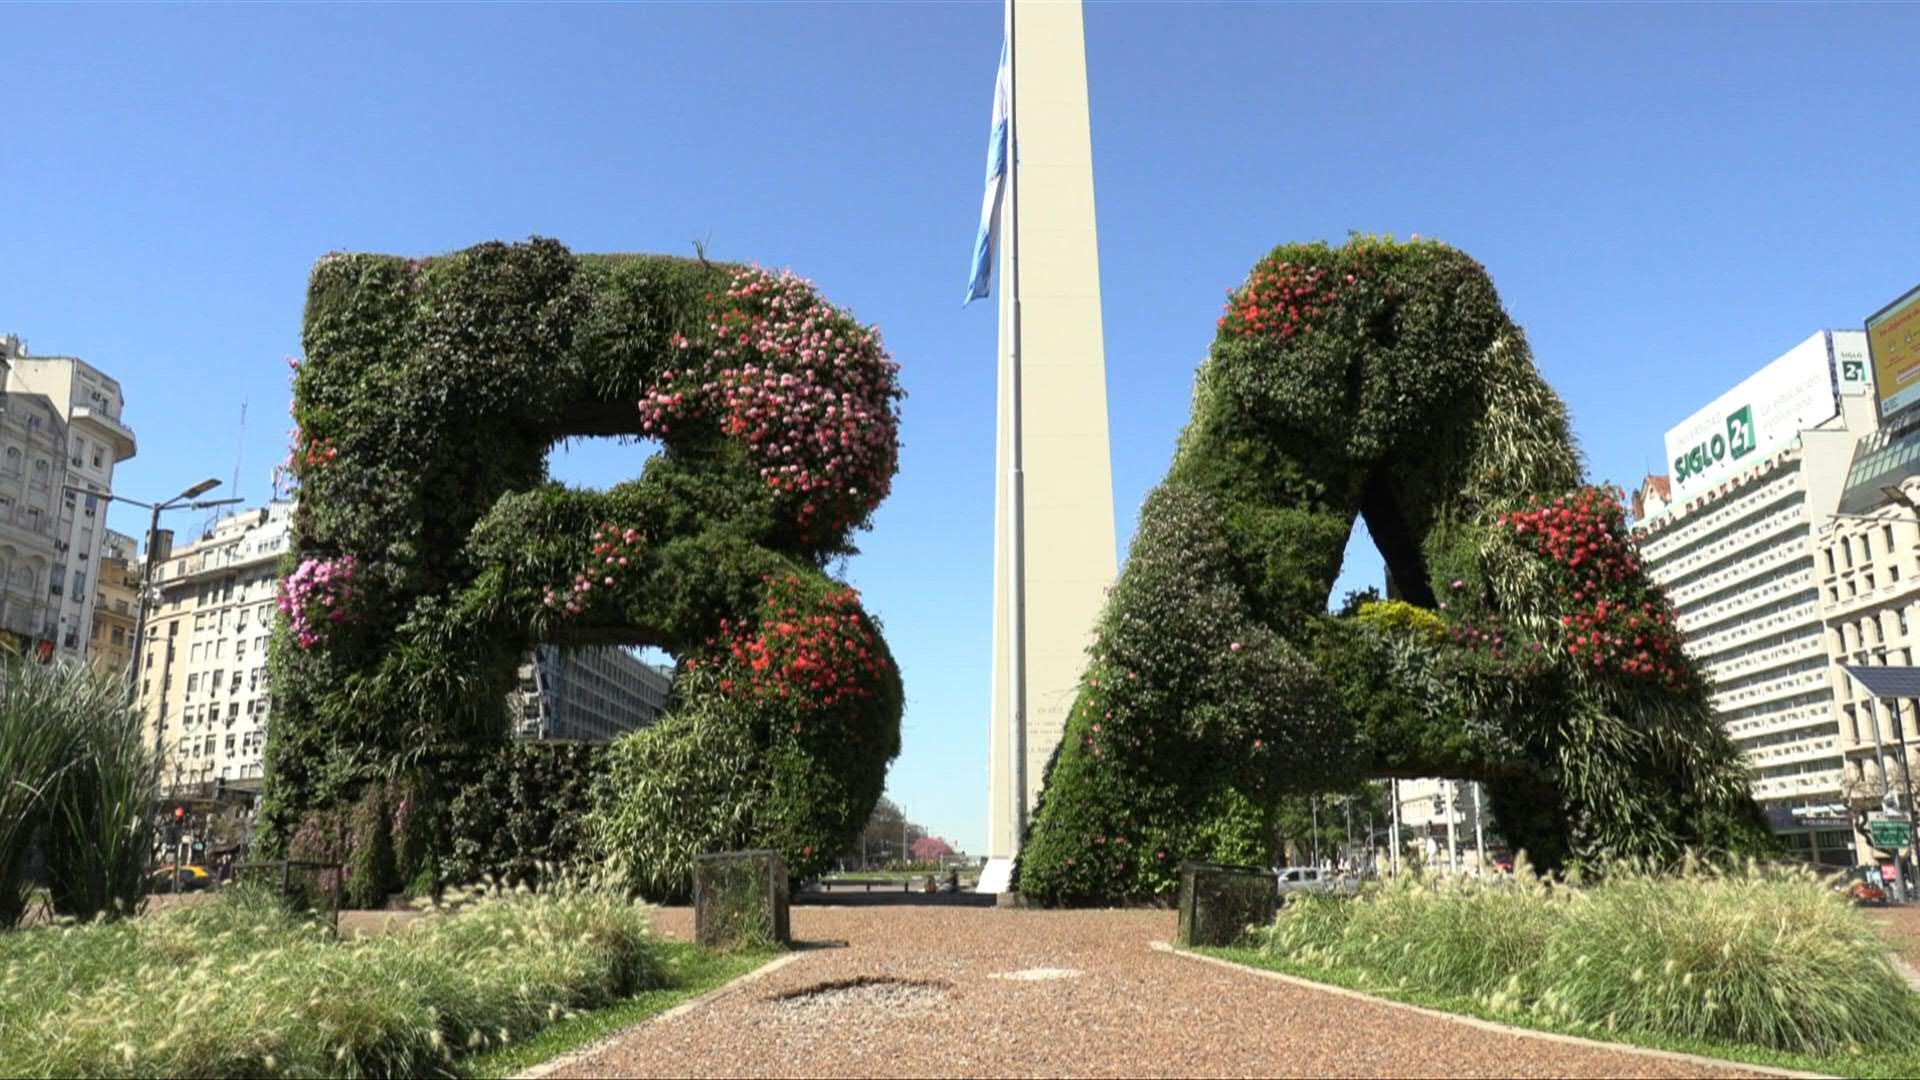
(1280, 297)
(614, 550)
(1616, 623)
(819, 651)
(319, 452)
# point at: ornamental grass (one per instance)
(78, 775)
(1763, 957)
(242, 987)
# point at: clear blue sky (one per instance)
(1667, 196)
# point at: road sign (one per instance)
(1888, 835)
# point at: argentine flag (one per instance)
(982, 278)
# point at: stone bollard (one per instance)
(1218, 903)
(740, 900)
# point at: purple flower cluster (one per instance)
(315, 595)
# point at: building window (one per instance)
(193, 681)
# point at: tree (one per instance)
(930, 848)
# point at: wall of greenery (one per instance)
(1383, 380)
(431, 551)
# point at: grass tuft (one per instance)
(242, 987)
(1763, 958)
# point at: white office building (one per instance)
(590, 693)
(1730, 535)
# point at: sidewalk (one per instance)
(945, 991)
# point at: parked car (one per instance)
(192, 879)
(1298, 880)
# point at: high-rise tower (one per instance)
(1051, 318)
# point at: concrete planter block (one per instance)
(1218, 903)
(740, 900)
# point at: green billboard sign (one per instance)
(1888, 835)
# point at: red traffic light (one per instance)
(179, 812)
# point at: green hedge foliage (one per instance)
(77, 779)
(431, 552)
(1380, 379)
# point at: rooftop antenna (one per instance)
(239, 450)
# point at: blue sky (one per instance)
(1667, 196)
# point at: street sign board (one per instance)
(1887, 835)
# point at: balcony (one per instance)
(1801, 615)
(104, 427)
(1740, 600)
(1746, 697)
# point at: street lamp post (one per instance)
(189, 500)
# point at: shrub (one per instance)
(240, 987)
(1769, 958)
(514, 812)
(1383, 380)
(370, 869)
(430, 552)
(76, 770)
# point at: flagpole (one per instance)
(1016, 487)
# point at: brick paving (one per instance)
(952, 991)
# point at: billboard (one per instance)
(1768, 408)
(1893, 337)
(1853, 370)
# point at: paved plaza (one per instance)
(922, 990)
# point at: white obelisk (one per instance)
(1055, 556)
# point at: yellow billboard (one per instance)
(1893, 340)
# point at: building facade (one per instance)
(89, 403)
(1868, 570)
(116, 594)
(1730, 536)
(33, 440)
(590, 693)
(204, 685)
(203, 671)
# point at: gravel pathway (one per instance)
(945, 991)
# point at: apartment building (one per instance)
(1868, 571)
(203, 672)
(33, 439)
(89, 403)
(591, 693)
(1730, 536)
(116, 596)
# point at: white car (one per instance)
(1305, 879)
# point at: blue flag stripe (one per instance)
(981, 280)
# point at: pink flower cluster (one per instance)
(315, 596)
(811, 392)
(614, 550)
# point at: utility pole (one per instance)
(1453, 843)
(1313, 801)
(1479, 830)
(1393, 792)
(1348, 806)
